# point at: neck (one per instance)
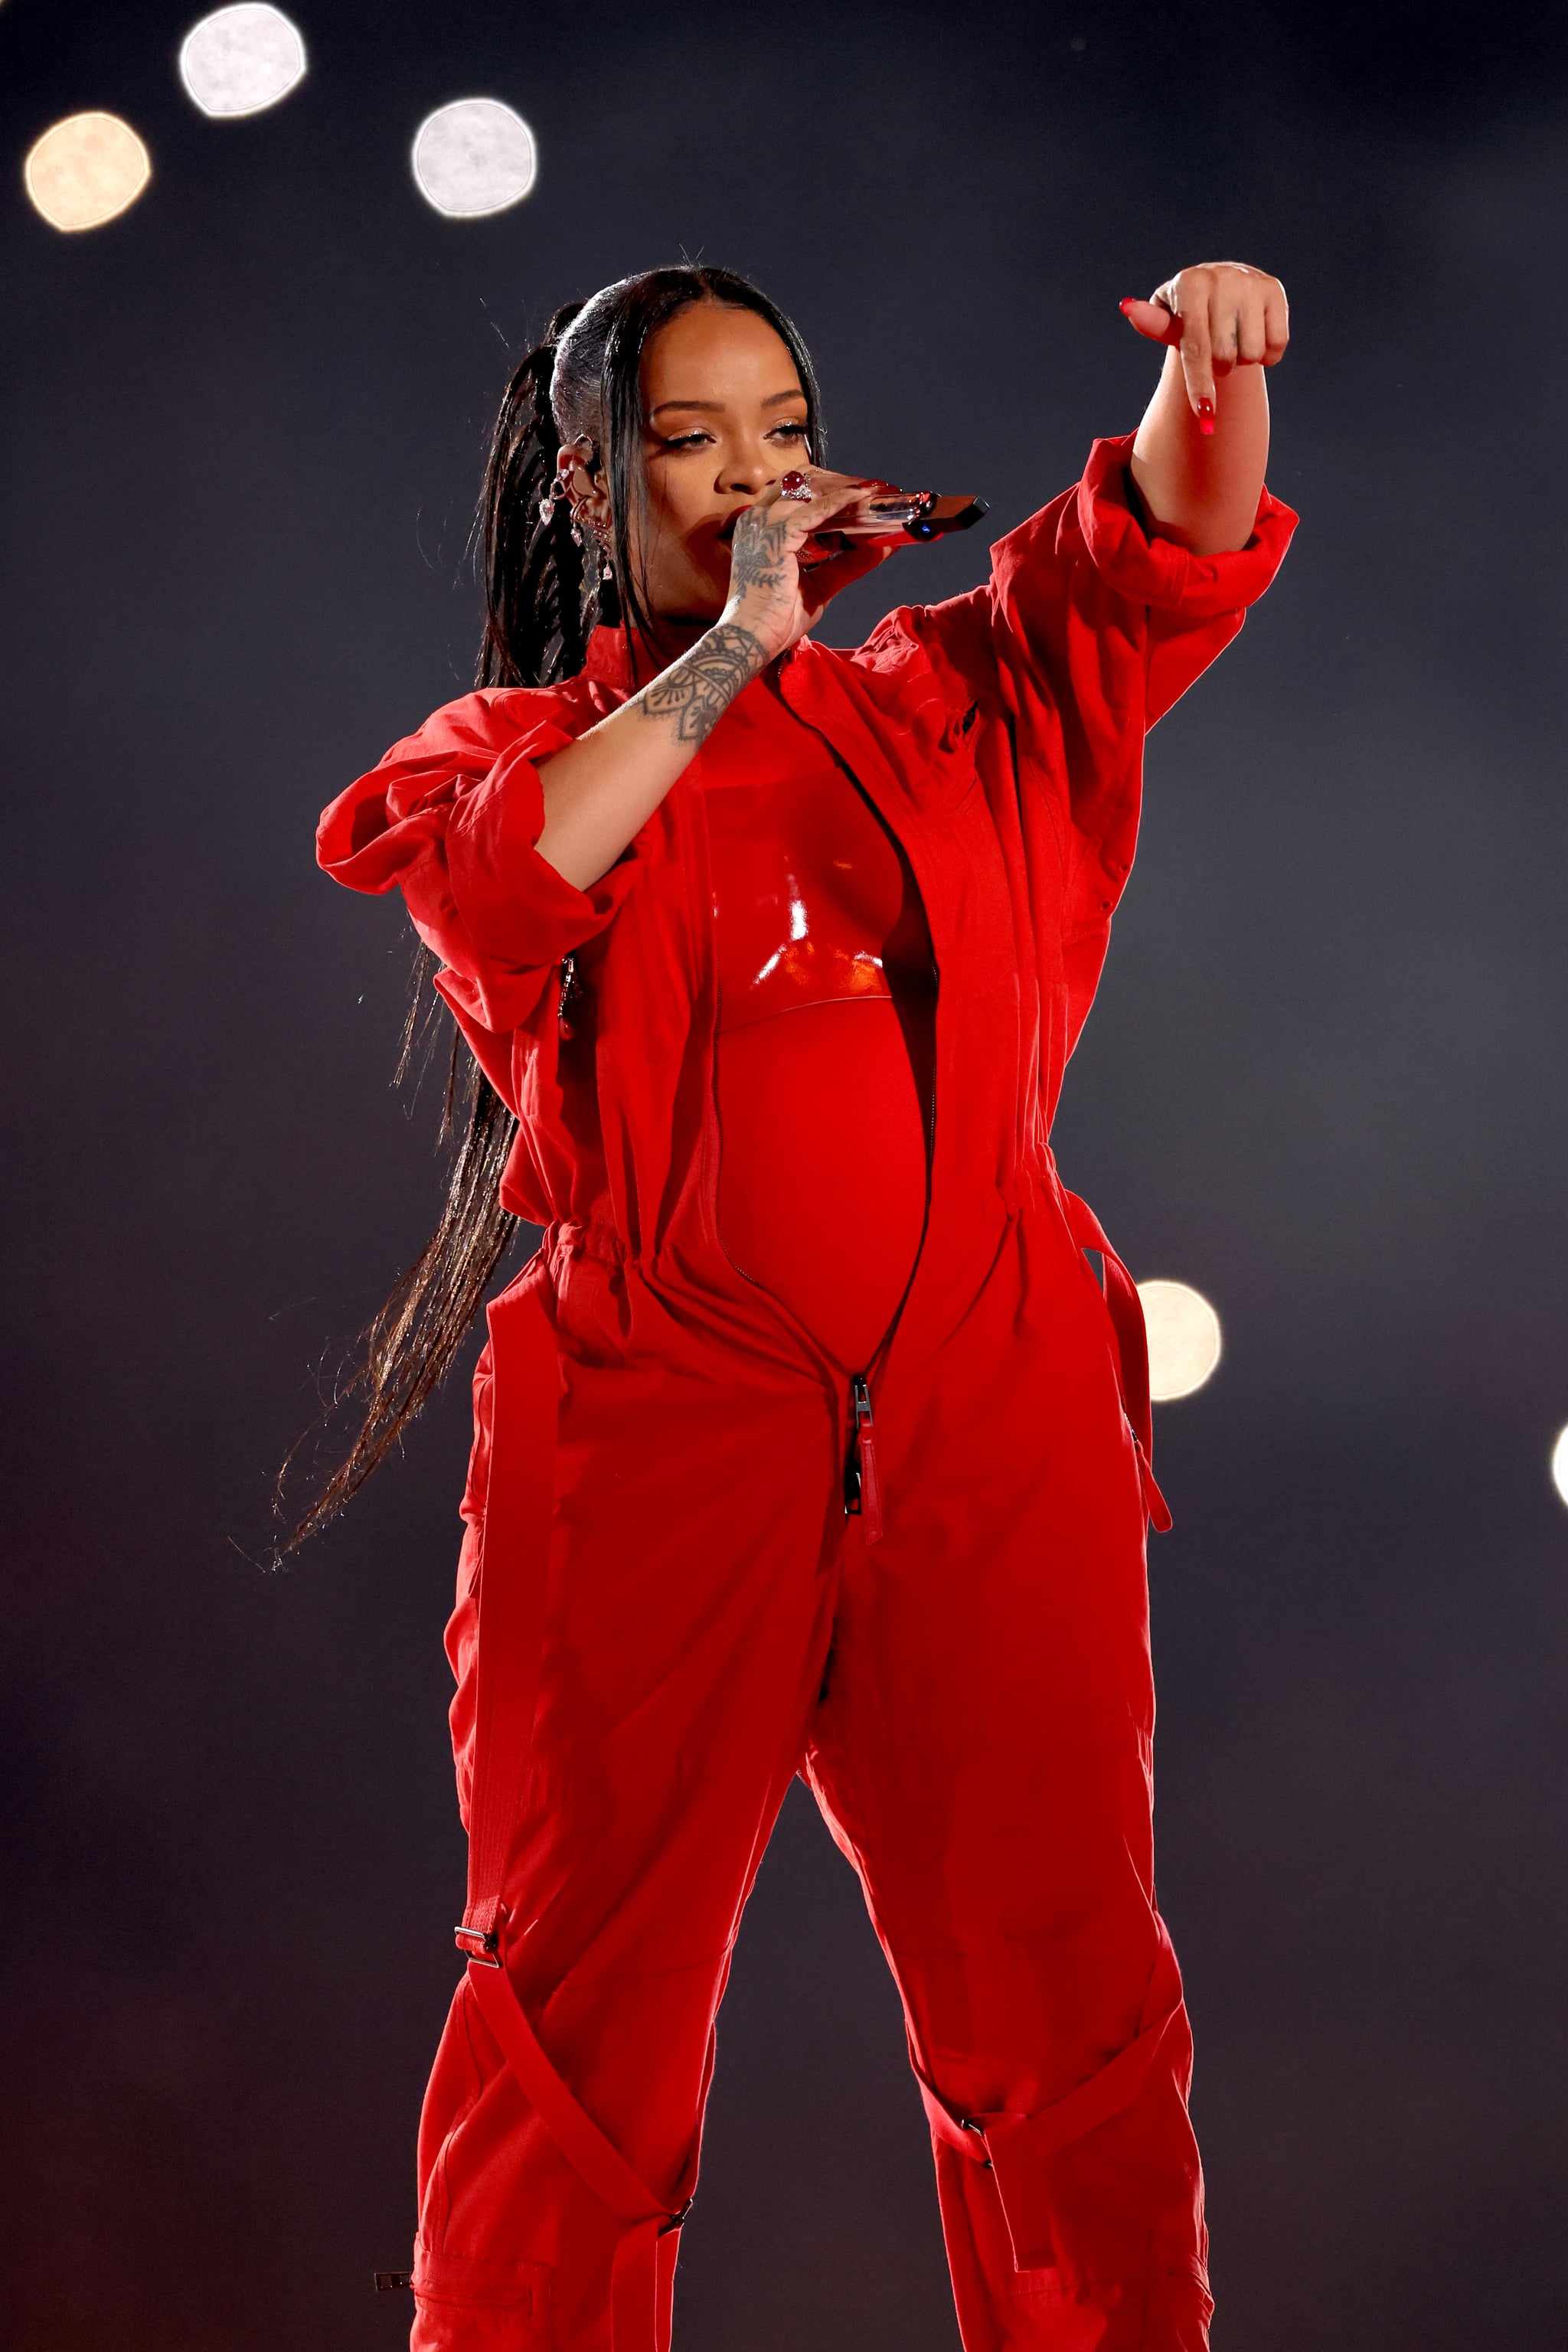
(674, 634)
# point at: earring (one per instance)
(559, 494)
(607, 595)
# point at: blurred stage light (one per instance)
(474, 156)
(241, 59)
(85, 170)
(1560, 1464)
(1184, 1338)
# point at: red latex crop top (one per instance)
(826, 1113)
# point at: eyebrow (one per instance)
(716, 407)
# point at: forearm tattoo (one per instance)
(757, 555)
(699, 688)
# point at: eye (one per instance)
(691, 440)
(793, 429)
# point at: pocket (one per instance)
(466, 2303)
(462, 1642)
(472, 1507)
(463, 1624)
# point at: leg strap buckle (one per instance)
(479, 1944)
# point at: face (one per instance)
(724, 417)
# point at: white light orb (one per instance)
(241, 59)
(1184, 1338)
(1560, 1464)
(86, 169)
(473, 157)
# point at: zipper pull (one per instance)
(862, 1488)
(568, 997)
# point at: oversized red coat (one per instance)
(654, 1504)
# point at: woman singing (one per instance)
(815, 1435)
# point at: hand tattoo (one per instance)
(699, 688)
(757, 555)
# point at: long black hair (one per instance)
(545, 589)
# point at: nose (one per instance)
(747, 476)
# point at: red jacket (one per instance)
(1000, 735)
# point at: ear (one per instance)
(590, 491)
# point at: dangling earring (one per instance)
(559, 494)
(608, 594)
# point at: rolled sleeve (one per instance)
(1194, 604)
(513, 903)
(1119, 624)
(452, 818)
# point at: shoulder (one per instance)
(940, 651)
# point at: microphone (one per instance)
(904, 517)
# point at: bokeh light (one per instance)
(1560, 1464)
(86, 169)
(1184, 1338)
(473, 157)
(241, 59)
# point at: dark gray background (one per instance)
(1324, 1081)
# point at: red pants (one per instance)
(971, 1700)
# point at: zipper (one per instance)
(570, 989)
(862, 1487)
(862, 1479)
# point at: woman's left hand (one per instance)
(1219, 315)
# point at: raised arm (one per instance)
(1199, 457)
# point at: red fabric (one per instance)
(822, 1171)
(827, 1003)
(970, 1694)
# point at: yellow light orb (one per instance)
(1184, 1338)
(86, 169)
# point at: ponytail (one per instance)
(541, 603)
(536, 629)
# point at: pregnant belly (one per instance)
(822, 1184)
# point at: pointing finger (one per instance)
(1197, 367)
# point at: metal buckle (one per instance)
(476, 1945)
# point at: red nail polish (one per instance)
(1206, 416)
(1126, 304)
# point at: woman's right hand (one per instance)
(772, 594)
(601, 789)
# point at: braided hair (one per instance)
(545, 589)
(538, 601)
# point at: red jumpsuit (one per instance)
(679, 1611)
